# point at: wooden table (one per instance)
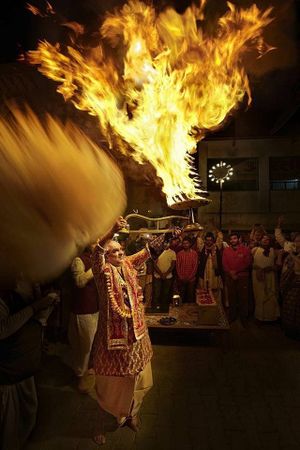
(187, 318)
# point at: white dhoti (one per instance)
(122, 397)
(82, 329)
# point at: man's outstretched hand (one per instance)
(156, 245)
(120, 223)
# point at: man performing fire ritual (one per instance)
(122, 350)
(157, 82)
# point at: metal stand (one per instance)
(221, 205)
(191, 215)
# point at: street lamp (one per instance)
(219, 174)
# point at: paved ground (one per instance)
(207, 396)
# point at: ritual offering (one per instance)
(168, 320)
(208, 307)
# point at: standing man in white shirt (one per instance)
(163, 278)
(83, 320)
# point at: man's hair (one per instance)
(209, 234)
(187, 239)
(234, 233)
(168, 237)
(107, 244)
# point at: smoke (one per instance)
(58, 193)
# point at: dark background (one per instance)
(274, 79)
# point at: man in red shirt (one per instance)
(186, 269)
(237, 261)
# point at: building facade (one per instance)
(265, 184)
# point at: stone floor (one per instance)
(236, 393)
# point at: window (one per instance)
(285, 173)
(244, 178)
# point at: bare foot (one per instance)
(99, 439)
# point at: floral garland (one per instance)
(115, 307)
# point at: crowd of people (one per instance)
(253, 273)
(114, 282)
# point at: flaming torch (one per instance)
(157, 83)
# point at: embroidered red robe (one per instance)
(121, 346)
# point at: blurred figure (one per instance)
(264, 281)
(83, 319)
(164, 266)
(290, 289)
(46, 214)
(288, 245)
(186, 270)
(21, 332)
(236, 265)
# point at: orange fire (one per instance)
(157, 82)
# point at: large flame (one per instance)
(157, 82)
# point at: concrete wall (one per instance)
(241, 209)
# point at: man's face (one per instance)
(114, 253)
(265, 242)
(258, 235)
(186, 245)
(166, 245)
(209, 241)
(233, 240)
